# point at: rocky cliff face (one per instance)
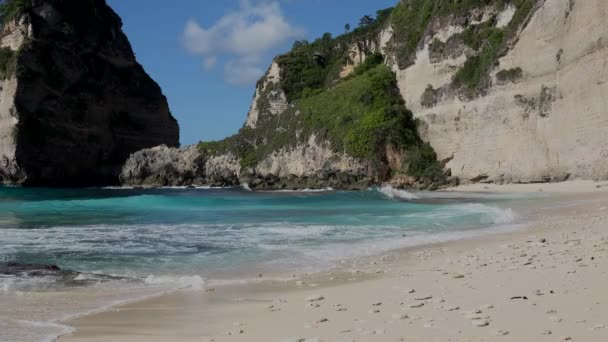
(549, 123)
(74, 102)
(509, 91)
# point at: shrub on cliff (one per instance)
(490, 42)
(410, 20)
(422, 161)
(430, 97)
(314, 66)
(8, 62)
(474, 74)
(509, 75)
(9, 9)
(369, 63)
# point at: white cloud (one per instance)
(209, 62)
(244, 36)
(242, 72)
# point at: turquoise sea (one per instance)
(162, 239)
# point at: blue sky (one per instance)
(206, 55)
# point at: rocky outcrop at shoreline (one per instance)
(164, 166)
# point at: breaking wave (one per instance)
(393, 193)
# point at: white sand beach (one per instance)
(544, 282)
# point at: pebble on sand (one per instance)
(480, 323)
(315, 298)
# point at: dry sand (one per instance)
(545, 282)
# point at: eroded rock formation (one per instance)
(74, 102)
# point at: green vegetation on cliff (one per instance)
(9, 9)
(490, 42)
(8, 62)
(359, 116)
(311, 67)
(509, 75)
(411, 19)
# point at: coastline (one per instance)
(459, 276)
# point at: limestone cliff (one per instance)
(74, 102)
(549, 123)
(502, 91)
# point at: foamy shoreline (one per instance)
(63, 304)
(277, 310)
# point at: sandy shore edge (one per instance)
(459, 290)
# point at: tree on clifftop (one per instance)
(366, 21)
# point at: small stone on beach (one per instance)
(480, 323)
(315, 298)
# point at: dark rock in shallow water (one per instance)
(33, 270)
(61, 277)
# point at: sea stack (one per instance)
(74, 102)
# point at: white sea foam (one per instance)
(489, 214)
(7, 283)
(328, 189)
(26, 330)
(182, 187)
(393, 193)
(330, 254)
(182, 282)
